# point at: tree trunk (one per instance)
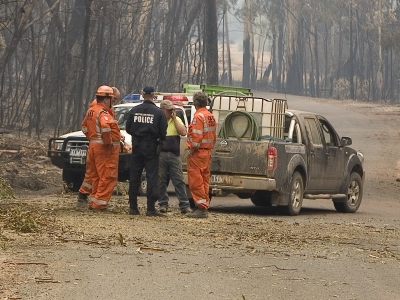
(228, 50)
(351, 58)
(211, 42)
(79, 99)
(12, 46)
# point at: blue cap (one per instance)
(148, 90)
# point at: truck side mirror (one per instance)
(346, 141)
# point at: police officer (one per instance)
(147, 125)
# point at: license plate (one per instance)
(221, 179)
(78, 153)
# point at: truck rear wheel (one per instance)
(295, 195)
(261, 198)
(72, 180)
(352, 202)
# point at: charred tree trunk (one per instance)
(211, 41)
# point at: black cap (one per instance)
(148, 90)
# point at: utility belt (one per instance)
(137, 141)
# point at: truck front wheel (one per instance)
(295, 195)
(72, 180)
(352, 202)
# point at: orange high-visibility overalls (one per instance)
(201, 134)
(103, 133)
(86, 186)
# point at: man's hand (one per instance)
(191, 151)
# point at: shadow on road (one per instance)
(269, 211)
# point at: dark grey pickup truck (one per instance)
(277, 156)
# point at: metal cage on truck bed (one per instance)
(234, 115)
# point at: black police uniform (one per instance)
(147, 125)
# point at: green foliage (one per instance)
(6, 192)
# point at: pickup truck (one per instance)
(277, 156)
(68, 152)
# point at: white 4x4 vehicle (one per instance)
(68, 152)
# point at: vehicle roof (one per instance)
(300, 112)
(132, 104)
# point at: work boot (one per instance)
(106, 209)
(82, 201)
(154, 213)
(134, 211)
(198, 213)
(82, 196)
(186, 210)
(163, 209)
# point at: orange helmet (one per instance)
(105, 91)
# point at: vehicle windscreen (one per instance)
(121, 115)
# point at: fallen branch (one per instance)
(275, 267)
(25, 263)
(49, 280)
(9, 151)
(82, 241)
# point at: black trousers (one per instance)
(144, 155)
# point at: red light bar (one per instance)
(173, 98)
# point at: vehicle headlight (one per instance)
(57, 145)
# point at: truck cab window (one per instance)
(312, 131)
(294, 133)
(179, 113)
(328, 133)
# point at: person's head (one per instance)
(117, 94)
(148, 93)
(105, 94)
(167, 107)
(200, 99)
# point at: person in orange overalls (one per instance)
(201, 138)
(86, 187)
(103, 133)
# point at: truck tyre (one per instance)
(352, 202)
(72, 180)
(295, 195)
(261, 198)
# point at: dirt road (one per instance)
(240, 252)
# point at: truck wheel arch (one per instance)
(296, 164)
(354, 165)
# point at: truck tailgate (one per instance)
(239, 157)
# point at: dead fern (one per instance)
(6, 192)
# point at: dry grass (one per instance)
(55, 219)
(6, 192)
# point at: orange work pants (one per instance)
(198, 168)
(86, 187)
(104, 171)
